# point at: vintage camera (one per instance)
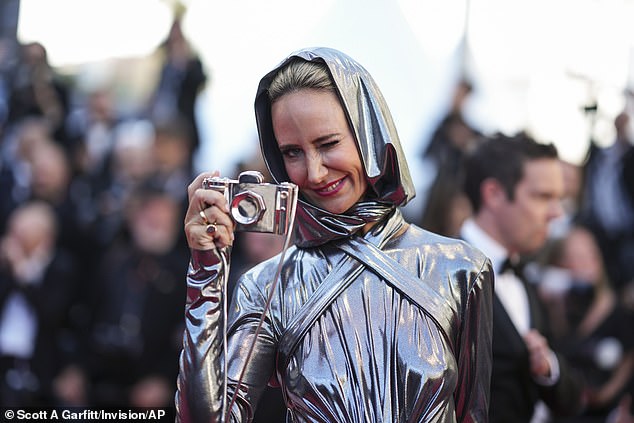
(254, 205)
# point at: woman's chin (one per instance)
(333, 208)
(334, 205)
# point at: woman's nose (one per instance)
(315, 169)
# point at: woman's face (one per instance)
(319, 149)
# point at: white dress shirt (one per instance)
(508, 287)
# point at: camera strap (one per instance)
(292, 209)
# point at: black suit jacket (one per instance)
(51, 301)
(514, 392)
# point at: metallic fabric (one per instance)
(373, 355)
(371, 122)
(319, 226)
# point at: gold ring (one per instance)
(211, 228)
(204, 217)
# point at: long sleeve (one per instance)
(201, 380)
(472, 395)
(374, 355)
(200, 383)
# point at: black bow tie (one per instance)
(514, 265)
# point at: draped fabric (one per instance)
(377, 140)
(374, 354)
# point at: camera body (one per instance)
(254, 205)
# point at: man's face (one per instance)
(523, 222)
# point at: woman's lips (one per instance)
(330, 189)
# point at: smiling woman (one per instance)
(318, 148)
(354, 325)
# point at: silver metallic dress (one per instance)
(407, 335)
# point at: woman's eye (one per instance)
(291, 152)
(330, 144)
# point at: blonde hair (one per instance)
(300, 74)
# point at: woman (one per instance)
(373, 319)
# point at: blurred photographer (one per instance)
(136, 298)
(37, 284)
(35, 89)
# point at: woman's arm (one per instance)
(209, 231)
(250, 355)
(200, 380)
(475, 354)
(204, 390)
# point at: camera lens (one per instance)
(247, 207)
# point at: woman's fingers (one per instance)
(200, 198)
(215, 214)
(200, 239)
(214, 217)
(197, 183)
(207, 221)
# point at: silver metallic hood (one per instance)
(377, 140)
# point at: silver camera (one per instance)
(254, 205)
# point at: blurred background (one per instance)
(108, 108)
(557, 69)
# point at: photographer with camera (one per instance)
(366, 317)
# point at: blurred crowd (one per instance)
(92, 252)
(584, 274)
(93, 256)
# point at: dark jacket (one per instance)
(514, 392)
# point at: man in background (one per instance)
(515, 186)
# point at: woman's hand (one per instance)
(208, 224)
